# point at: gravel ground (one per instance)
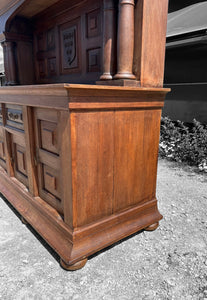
(169, 263)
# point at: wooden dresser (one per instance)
(78, 160)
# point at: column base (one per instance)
(127, 76)
(106, 76)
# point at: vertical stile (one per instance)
(30, 146)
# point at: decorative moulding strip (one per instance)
(115, 105)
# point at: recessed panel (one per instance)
(40, 42)
(49, 136)
(51, 181)
(42, 68)
(51, 39)
(21, 160)
(94, 60)
(52, 71)
(93, 23)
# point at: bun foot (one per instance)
(24, 221)
(152, 227)
(79, 265)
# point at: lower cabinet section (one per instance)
(83, 174)
(44, 135)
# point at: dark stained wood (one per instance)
(78, 160)
(75, 53)
(10, 63)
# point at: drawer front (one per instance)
(14, 116)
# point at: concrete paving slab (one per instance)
(169, 263)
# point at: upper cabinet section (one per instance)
(108, 42)
(68, 43)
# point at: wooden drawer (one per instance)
(14, 116)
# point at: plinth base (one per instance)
(119, 82)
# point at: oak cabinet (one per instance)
(78, 160)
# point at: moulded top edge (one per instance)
(61, 89)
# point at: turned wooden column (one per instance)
(125, 40)
(10, 63)
(108, 40)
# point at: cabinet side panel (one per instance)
(135, 161)
(92, 162)
(151, 148)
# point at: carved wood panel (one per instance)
(19, 157)
(70, 45)
(21, 160)
(49, 136)
(51, 181)
(47, 152)
(93, 23)
(94, 60)
(69, 48)
(52, 66)
(14, 117)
